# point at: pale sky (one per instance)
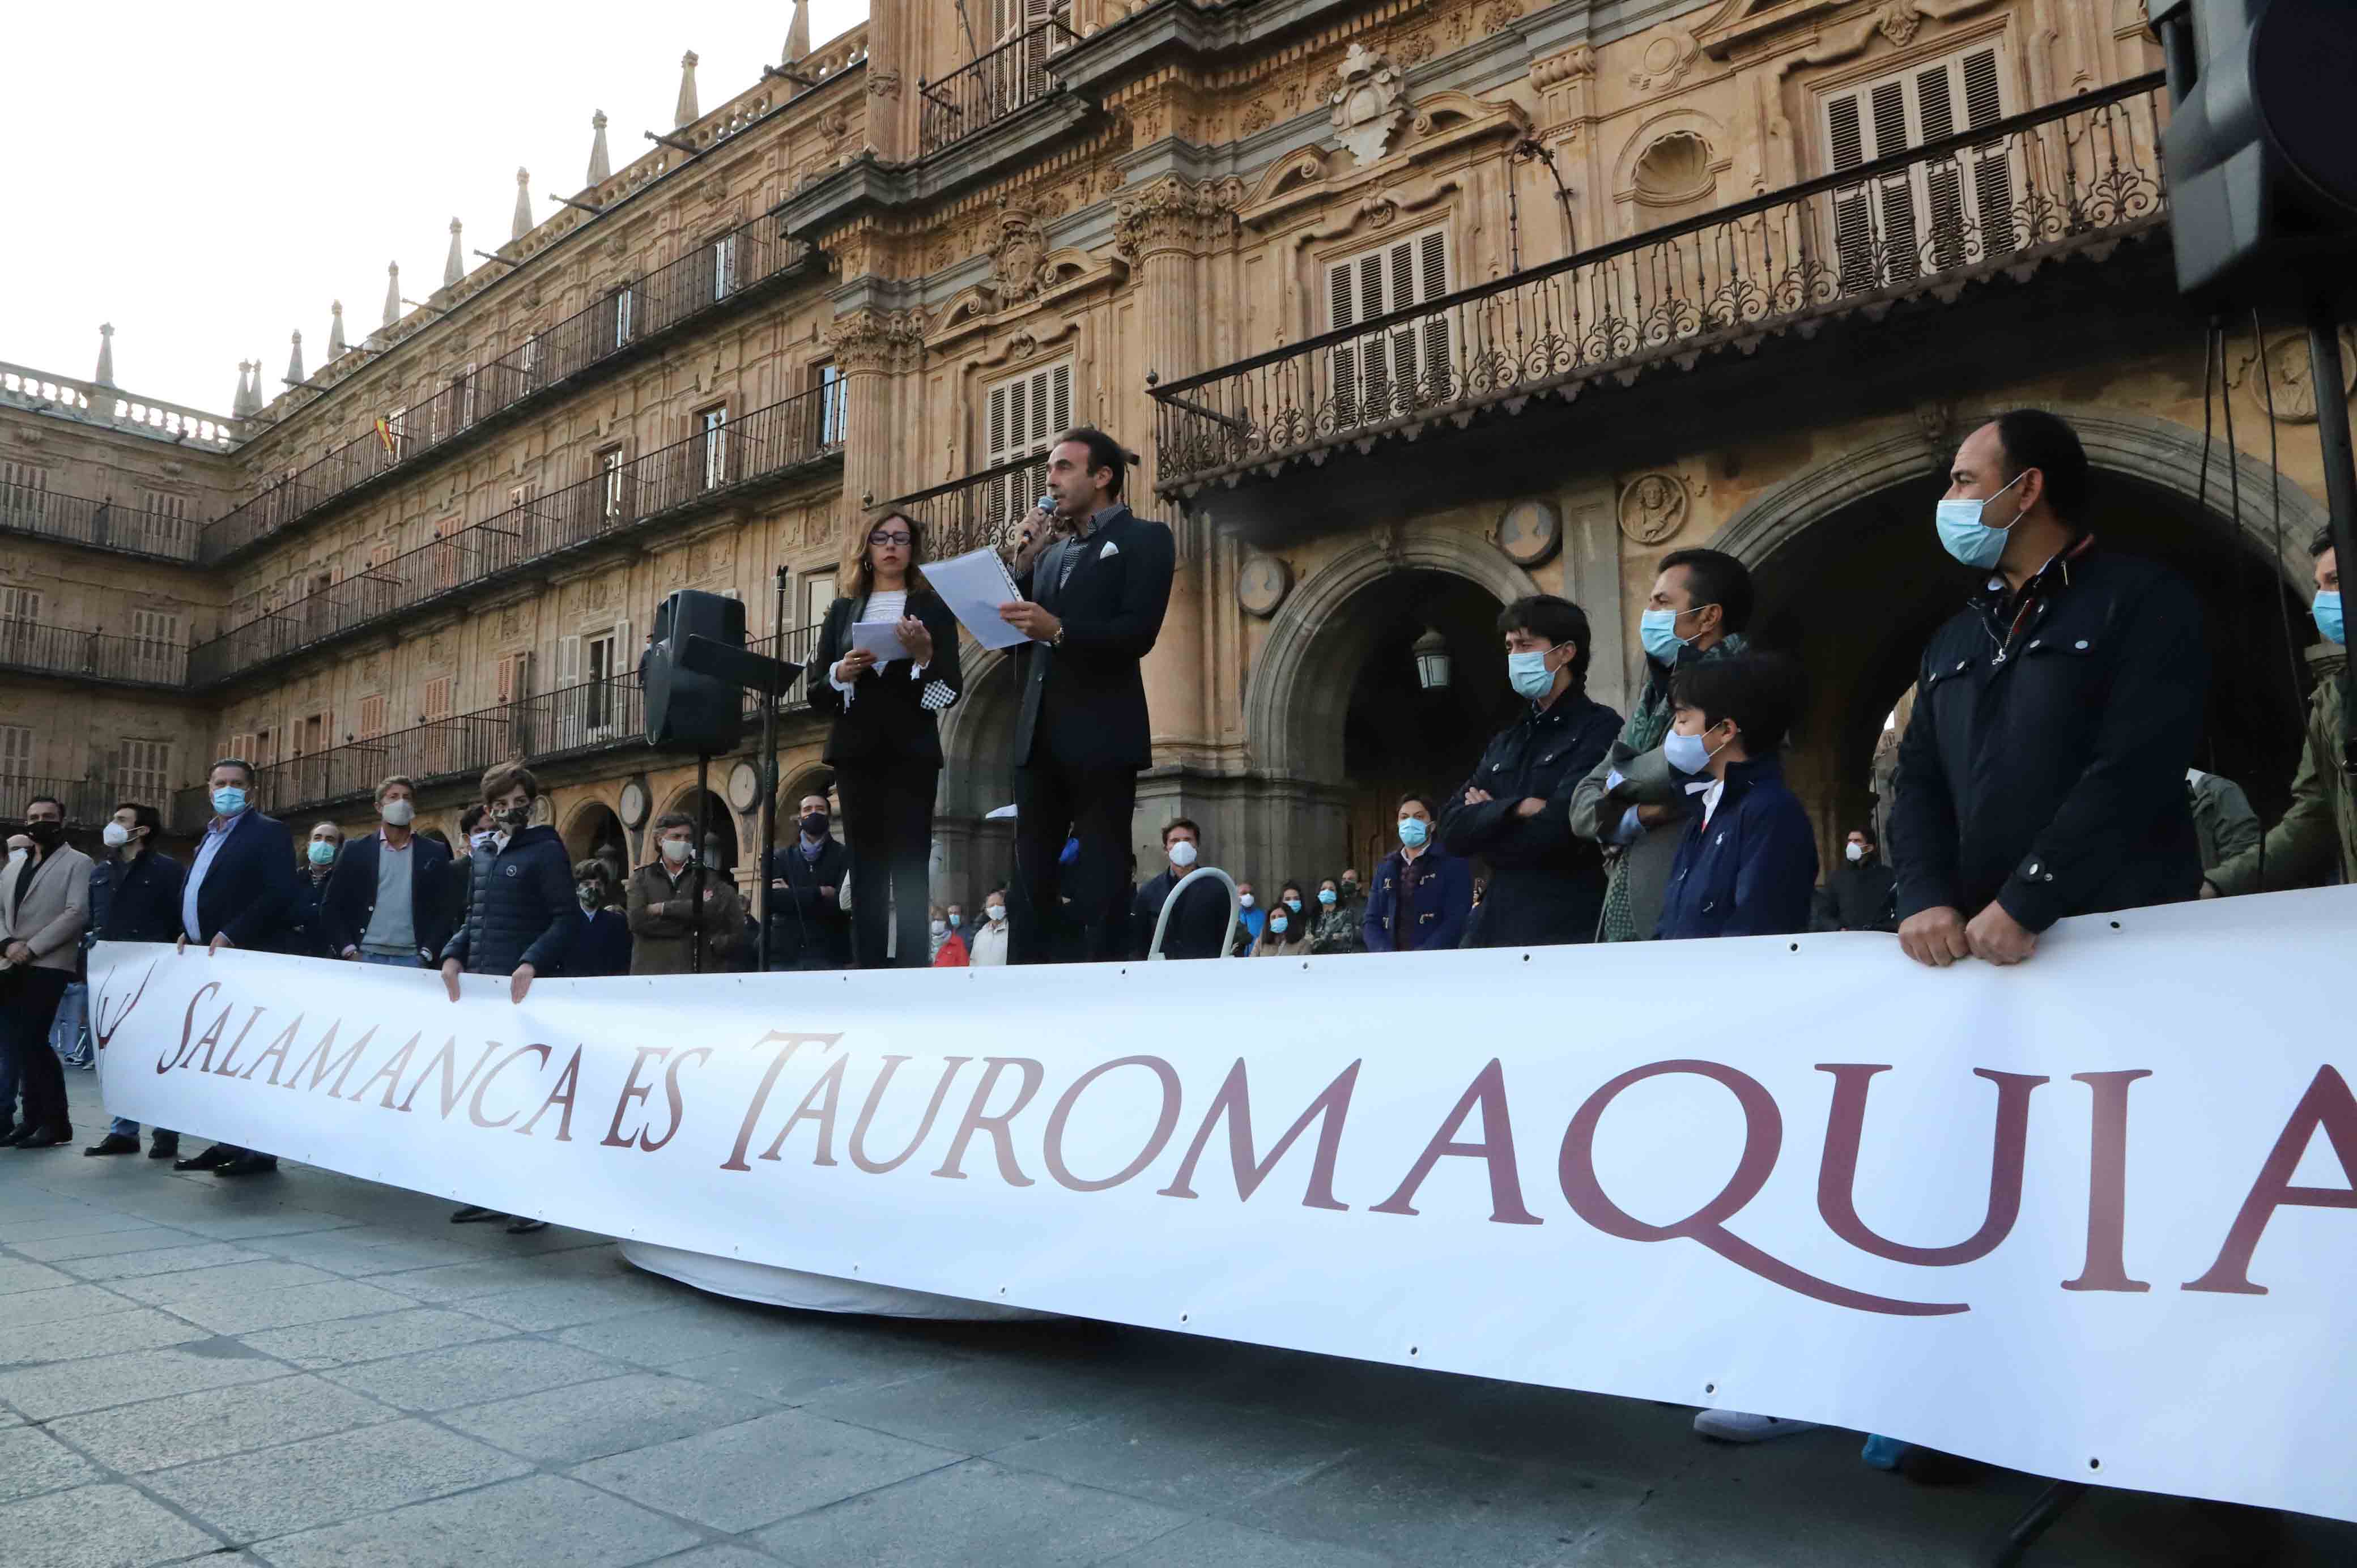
(209, 179)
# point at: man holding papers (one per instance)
(1094, 579)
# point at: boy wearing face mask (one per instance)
(387, 902)
(1199, 925)
(1748, 864)
(1546, 886)
(520, 911)
(989, 948)
(601, 943)
(1422, 893)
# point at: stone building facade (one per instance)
(1405, 307)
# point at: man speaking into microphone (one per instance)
(1095, 580)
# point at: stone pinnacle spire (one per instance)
(798, 32)
(392, 294)
(600, 168)
(336, 331)
(524, 204)
(294, 362)
(248, 402)
(686, 113)
(454, 267)
(105, 376)
(237, 401)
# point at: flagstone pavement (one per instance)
(304, 1369)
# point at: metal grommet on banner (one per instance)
(2094, 1463)
(1411, 1349)
(1710, 1388)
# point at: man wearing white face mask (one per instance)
(990, 937)
(2042, 773)
(1201, 919)
(387, 903)
(1859, 893)
(135, 896)
(1547, 884)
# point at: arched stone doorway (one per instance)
(1339, 722)
(1851, 578)
(594, 831)
(973, 851)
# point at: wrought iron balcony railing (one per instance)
(701, 472)
(2079, 173)
(987, 90)
(89, 803)
(982, 509)
(707, 279)
(575, 721)
(101, 524)
(92, 655)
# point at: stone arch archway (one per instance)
(972, 850)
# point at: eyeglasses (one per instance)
(881, 539)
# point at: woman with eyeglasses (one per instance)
(886, 746)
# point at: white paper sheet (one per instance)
(881, 638)
(974, 586)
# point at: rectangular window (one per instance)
(396, 429)
(155, 645)
(530, 358)
(142, 771)
(447, 553)
(381, 554)
(514, 681)
(1930, 216)
(614, 323)
(723, 265)
(818, 594)
(372, 716)
(466, 384)
(1025, 414)
(1391, 372)
(24, 493)
(610, 466)
(20, 605)
(712, 431)
(166, 520)
(15, 751)
(827, 380)
(311, 735)
(437, 746)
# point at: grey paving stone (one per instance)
(806, 1359)
(68, 1304)
(244, 1314)
(471, 1374)
(588, 1421)
(235, 1280)
(362, 1249)
(456, 1282)
(721, 1557)
(136, 1238)
(159, 1261)
(97, 1526)
(978, 1407)
(542, 1518)
(324, 1480)
(758, 1471)
(65, 1388)
(342, 1341)
(1441, 1509)
(561, 1304)
(32, 1461)
(1217, 1543)
(22, 1277)
(211, 1423)
(972, 1514)
(684, 1331)
(140, 1328)
(248, 1227)
(1187, 1454)
(46, 1225)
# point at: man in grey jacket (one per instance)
(44, 909)
(1633, 802)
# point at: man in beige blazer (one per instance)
(44, 907)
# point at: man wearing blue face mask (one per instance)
(2042, 773)
(1545, 886)
(2318, 834)
(1422, 893)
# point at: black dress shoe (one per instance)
(12, 1132)
(219, 1155)
(248, 1164)
(526, 1227)
(47, 1138)
(470, 1214)
(164, 1149)
(115, 1143)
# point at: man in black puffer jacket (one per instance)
(520, 903)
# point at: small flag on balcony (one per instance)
(384, 433)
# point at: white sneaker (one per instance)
(1736, 1426)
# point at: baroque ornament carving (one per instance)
(1177, 214)
(1575, 63)
(871, 339)
(1500, 15)
(1898, 21)
(1263, 584)
(2286, 377)
(1367, 99)
(1654, 507)
(1665, 61)
(1016, 258)
(882, 83)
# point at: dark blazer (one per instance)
(351, 902)
(1197, 926)
(1752, 870)
(139, 902)
(809, 929)
(1440, 886)
(306, 930)
(517, 907)
(601, 945)
(2051, 776)
(249, 890)
(890, 717)
(1084, 703)
(1546, 884)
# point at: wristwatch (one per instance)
(1056, 640)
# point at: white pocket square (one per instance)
(1109, 552)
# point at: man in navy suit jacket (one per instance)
(349, 909)
(238, 894)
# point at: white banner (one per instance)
(2087, 1218)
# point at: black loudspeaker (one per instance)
(2261, 163)
(687, 710)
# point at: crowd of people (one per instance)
(2045, 771)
